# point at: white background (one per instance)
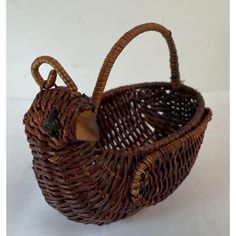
(79, 34)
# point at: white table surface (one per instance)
(199, 207)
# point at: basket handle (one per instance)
(121, 44)
(57, 69)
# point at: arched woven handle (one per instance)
(57, 69)
(121, 44)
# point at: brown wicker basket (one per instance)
(99, 160)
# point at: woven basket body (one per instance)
(149, 138)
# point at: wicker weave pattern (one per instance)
(150, 135)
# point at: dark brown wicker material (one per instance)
(143, 146)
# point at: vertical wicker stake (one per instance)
(149, 137)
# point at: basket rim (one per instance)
(184, 130)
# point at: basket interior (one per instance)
(138, 115)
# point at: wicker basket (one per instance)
(99, 160)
